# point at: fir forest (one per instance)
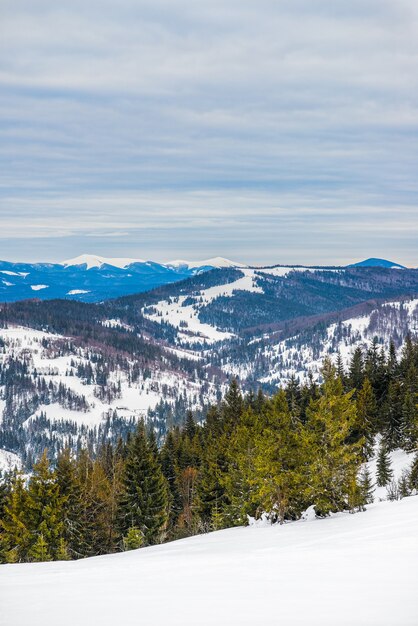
(254, 455)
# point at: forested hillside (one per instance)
(306, 446)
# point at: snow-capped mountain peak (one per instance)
(216, 262)
(92, 260)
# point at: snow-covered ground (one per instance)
(341, 571)
(180, 314)
(134, 400)
(300, 356)
(8, 461)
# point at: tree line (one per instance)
(254, 455)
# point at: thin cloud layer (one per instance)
(153, 127)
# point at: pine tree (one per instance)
(62, 552)
(333, 461)
(233, 405)
(39, 550)
(190, 426)
(393, 417)
(278, 462)
(413, 474)
(384, 472)
(211, 491)
(44, 511)
(170, 469)
(410, 421)
(366, 418)
(134, 539)
(71, 490)
(15, 536)
(144, 503)
(356, 371)
(366, 486)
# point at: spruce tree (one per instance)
(71, 491)
(393, 432)
(170, 469)
(366, 418)
(15, 536)
(134, 539)
(40, 550)
(333, 460)
(413, 474)
(356, 371)
(366, 486)
(410, 421)
(44, 511)
(144, 502)
(233, 405)
(384, 472)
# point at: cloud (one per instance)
(219, 120)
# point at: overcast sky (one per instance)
(265, 131)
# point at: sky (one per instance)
(276, 131)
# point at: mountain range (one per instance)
(83, 371)
(91, 278)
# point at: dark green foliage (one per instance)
(384, 471)
(144, 500)
(366, 486)
(134, 539)
(253, 455)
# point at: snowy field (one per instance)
(357, 570)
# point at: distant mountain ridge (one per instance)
(93, 278)
(372, 262)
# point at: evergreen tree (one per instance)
(144, 502)
(170, 469)
(44, 511)
(15, 536)
(233, 405)
(39, 550)
(71, 491)
(356, 371)
(366, 418)
(384, 472)
(134, 539)
(410, 421)
(393, 416)
(366, 486)
(413, 474)
(333, 461)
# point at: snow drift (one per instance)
(343, 570)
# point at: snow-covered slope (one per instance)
(303, 353)
(341, 571)
(215, 262)
(183, 312)
(8, 461)
(92, 260)
(49, 356)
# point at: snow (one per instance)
(8, 461)
(135, 398)
(217, 262)
(400, 461)
(186, 316)
(10, 273)
(339, 571)
(76, 292)
(38, 287)
(282, 271)
(357, 332)
(92, 260)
